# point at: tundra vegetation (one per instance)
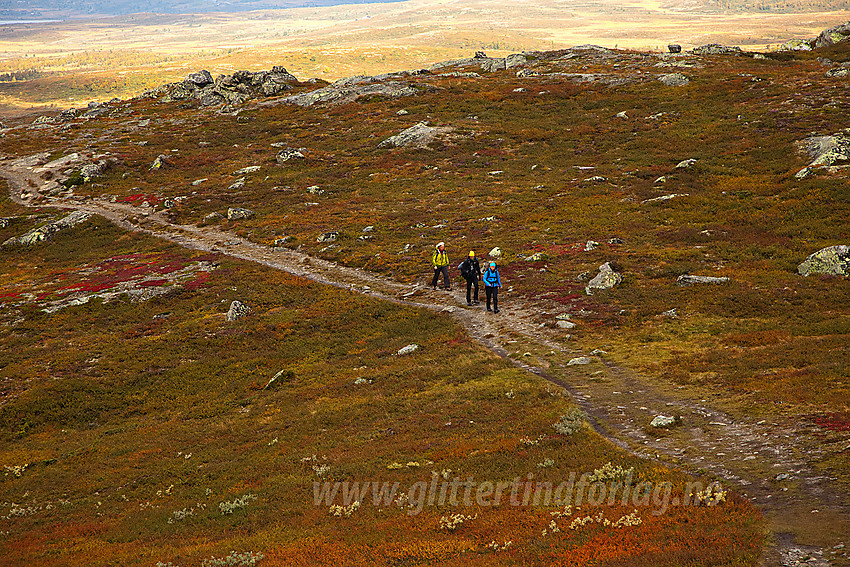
(137, 429)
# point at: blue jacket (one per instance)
(491, 278)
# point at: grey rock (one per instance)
(495, 252)
(688, 280)
(562, 324)
(833, 35)
(212, 217)
(664, 198)
(200, 78)
(838, 72)
(686, 164)
(47, 231)
(828, 150)
(674, 48)
(578, 361)
(238, 184)
(350, 90)
(418, 135)
(671, 314)
(717, 49)
(591, 245)
(674, 80)
(515, 60)
(662, 421)
(247, 170)
(237, 310)
(160, 162)
(583, 277)
(409, 349)
(491, 65)
(327, 236)
(796, 45)
(605, 279)
(238, 213)
(287, 154)
(833, 260)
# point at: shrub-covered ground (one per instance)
(516, 171)
(139, 433)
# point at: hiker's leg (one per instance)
(469, 290)
(446, 280)
(475, 284)
(436, 275)
(488, 291)
(495, 299)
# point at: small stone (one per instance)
(520, 90)
(197, 182)
(160, 161)
(598, 352)
(238, 184)
(595, 179)
(327, 236)
(565, 324)
(409, 349)
(674, 48)
(622, 115)
(686, 164)
(213, 217)
(591, 245)
(402, 112)
(671, 313)
(579, 361)
(495, 252)
(247, 170)
(781, 476)
(369, 228)
(237, 310)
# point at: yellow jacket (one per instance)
(439, 259)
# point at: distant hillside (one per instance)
(10, 9)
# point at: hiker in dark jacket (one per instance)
(440, 261)
(471, 272)
(492, 283)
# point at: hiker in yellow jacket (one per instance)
(440, 261)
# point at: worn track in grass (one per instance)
(807, 512)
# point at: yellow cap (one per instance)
(471, 253)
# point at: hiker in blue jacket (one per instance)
(492, 283)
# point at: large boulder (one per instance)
(605, 279)
(238, 213)
(200, 79)
(833, 260)
(833, 35)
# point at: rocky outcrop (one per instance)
(825, 151)
(827, 37)
(605, 279)
(47, 231)
(287, 154)
(232, 89)
(833, 260)
(351, 89)
(418, 135)
(717, 49)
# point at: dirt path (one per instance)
(767, 460)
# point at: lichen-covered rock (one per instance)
(327, 237)
(45, 232)
(417, 135)
(160, 161)
(605, 279)
(287, 154)
(717, 49)
(200, 79)
(350, 90)
(662, 421)
(238, 213)
(578, 361)
(237, 310)
(495, 252)
(833, 260)
(687, 280)
(796, 45)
